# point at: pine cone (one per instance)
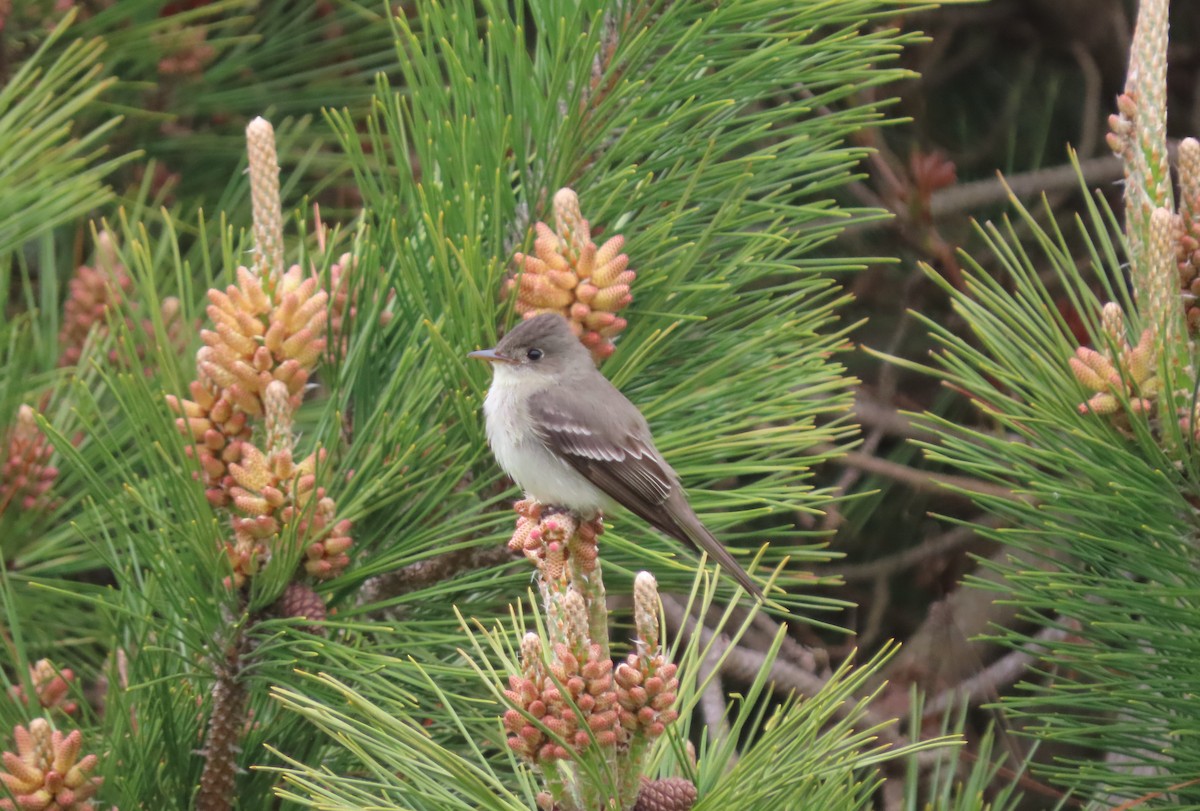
(668, 794)
(570, 275)
(46, 771)
(93, 291)
(25, 470)
(300, 600)
(218, 780)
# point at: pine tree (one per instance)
(254, 542)
(1095, 443)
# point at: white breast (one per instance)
(535, 469)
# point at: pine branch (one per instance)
(51, 174)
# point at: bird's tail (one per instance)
(704, 540)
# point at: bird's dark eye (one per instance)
(534, 354)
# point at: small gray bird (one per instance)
(571, 440)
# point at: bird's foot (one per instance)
(590, 528)
(529, 508)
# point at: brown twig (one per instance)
(887, 388)
(871, 412)
(432, 570)
(921, 481)
(712, 700)
(1097, 171)
(880, 605)
(218, 779)
(744, 665)
(1093, 81)
(800, 655)
(954, 201)
(983, 686)
(944, 649)
(950, 541)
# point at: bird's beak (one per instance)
(490, 355)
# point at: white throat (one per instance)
(518, 449)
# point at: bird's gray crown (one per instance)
(550, 335)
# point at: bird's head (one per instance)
(543, 346)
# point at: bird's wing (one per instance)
(611, 450)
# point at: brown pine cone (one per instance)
(300, 600)
(218, 780)
(668, 794)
